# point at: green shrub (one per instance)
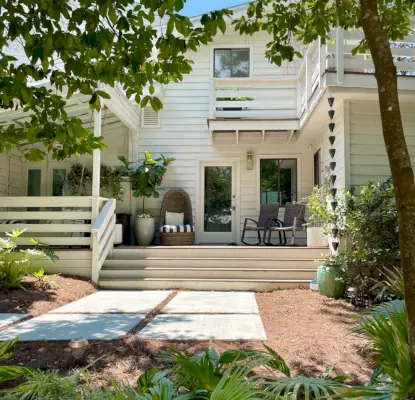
(371, 229)
(16, 264)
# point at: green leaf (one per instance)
(103, 94)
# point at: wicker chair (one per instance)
(267, 214)
(178, 201)
(294, 215)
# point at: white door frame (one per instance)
(236, 191)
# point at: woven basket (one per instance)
(177, 200)
(177, 238)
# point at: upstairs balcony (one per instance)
(252, 110)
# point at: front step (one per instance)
(210, 267)
(203, 284)
(210, 262)
(281, 252)
(207, 273)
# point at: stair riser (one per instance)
(201, 285)
(210, 263)
(203, 274)
(220, 252)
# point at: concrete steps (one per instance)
(210, 267)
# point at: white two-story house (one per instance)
(259, 132)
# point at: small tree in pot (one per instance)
(318, 217)
(145, 180)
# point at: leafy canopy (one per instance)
(72, 46)
(306, 20)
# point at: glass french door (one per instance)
(218, 222)
(44, 179)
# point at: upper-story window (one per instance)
(231, 63)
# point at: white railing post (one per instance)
(95, 258)
(299, 97)
(308, 73)
(212, 103)
(322, 61)
(340, 55)
(102, 233)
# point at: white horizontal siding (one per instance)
(11, 174)
(368, 158)
(184, 134)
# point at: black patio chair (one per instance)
(294, 215)
(267, 214)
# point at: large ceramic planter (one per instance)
(144, 230)
(118, 234)
(316, 237)
(331, 281)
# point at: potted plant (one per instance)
(144, 181)
(331, 276)
(318, 217)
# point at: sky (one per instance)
(196, 7)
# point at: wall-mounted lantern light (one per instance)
(249, 160)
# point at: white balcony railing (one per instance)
(334, 64)
(249, 98)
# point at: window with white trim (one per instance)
(231, 63)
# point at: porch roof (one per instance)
(78, 106)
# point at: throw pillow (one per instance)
(174, 218)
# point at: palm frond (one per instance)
(364, 392)
(392, 283)
(235, 385)
(269, 358)
(195, 373)
(301, 387)
(6, 349)
(386, 325)
(47, 385)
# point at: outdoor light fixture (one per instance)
(249, 160)
(78, 347)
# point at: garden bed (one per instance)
(309, 331)
(32, 299)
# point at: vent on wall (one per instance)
(150, 118)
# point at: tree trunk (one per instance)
(399, 159)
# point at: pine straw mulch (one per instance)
(33, 300)
(309, 331)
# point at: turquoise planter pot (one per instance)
(331, 281)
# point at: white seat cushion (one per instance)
(174, 218)
(177, 228)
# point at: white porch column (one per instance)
(133, 156)
(96, 168)
(340, 55)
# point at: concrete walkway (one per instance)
(108, 315)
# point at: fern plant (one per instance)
(16, 264)
(44, 281)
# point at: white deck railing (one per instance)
(310, 82)
(341, 59)
(62, 221)
(332, 63)
(250, 98)
(102, 237)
